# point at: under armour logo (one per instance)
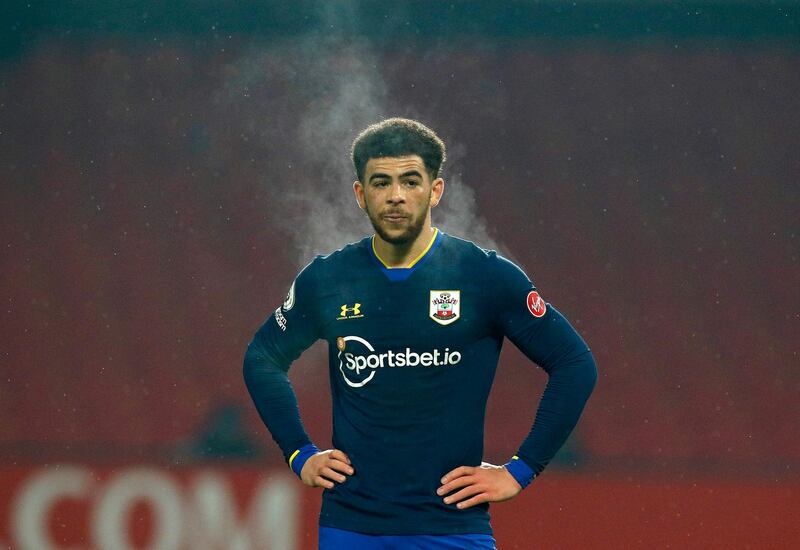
(348, 312)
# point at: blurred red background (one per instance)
(650, 191)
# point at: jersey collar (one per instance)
(403, 273)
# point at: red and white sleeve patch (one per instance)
(536, 304)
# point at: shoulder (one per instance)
(309, 282)
(495, 270)
(485, 258)
(465, 250)
(345, 258)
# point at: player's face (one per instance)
(397, 195)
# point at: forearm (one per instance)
(275, 400)
(568, 388)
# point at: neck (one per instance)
(402, 255)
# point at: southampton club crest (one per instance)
(445, 306)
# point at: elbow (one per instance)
(249, 366)
(581, 371)
(258, 367)
(589, 372)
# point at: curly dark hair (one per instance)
(398, 137)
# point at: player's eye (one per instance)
(412, 183)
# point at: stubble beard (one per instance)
(409, 235)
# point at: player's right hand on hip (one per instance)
(326, 468)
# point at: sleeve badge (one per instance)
(536, 304)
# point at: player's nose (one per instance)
(396, 193)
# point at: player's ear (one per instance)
(358, 189)
(437, 190)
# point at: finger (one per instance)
(457, 483)
(340, 466)
(468, 491)
(477, 499)
(339, 455)
(458, 472)
(320, 481)
(332, 475)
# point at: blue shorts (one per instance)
(338, 539)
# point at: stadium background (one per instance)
(166, 169)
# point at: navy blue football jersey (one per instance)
(412, 356)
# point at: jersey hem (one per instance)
(419, 528)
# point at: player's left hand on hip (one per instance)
(478, 484)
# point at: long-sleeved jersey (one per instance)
(412, 356)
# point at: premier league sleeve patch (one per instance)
(288, 303)
(445, 306)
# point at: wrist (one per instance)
(300, 456)
(520, 471)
